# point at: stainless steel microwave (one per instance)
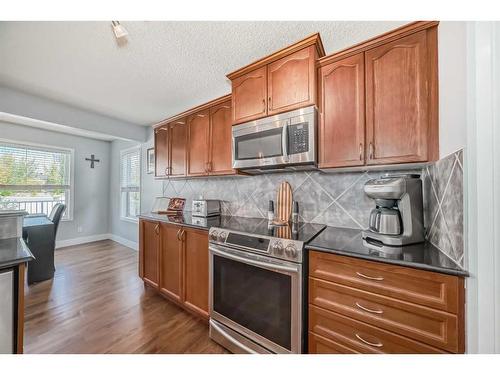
(284, 141)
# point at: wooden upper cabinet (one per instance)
(220, 139)
(277, 83)
(291, 81)
(196, 270)
(198, 142)
(249, 97)
(178, 140)
(149, 252)
(170, 261)
(397, 100)
(342, 113)
(162, 157)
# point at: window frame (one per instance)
(50, 148)
(123, 152)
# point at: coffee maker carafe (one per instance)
(397, 218)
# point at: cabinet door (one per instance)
(149, 238)
(397, 117)
(171, 261)
(198, 132)
(221, 158)
(291, 81)
(249, 94)
(196, 270)
(178, 140)
(162, 157)
(342, 113)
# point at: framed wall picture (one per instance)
(151, 160)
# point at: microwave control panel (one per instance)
(298, 138)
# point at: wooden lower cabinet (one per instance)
(149, 252)
(359, 306)
(196, 270)
(171, 261)
(174, 260)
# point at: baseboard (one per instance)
(98, 237)
(81, 240)
(123, 241)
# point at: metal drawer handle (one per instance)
(378, 278)
(369, 310)
(375, 344)
(178, 232)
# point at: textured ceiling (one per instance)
(163, 69)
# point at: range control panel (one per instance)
(298, 138)
(290, 250)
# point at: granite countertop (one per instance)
(187, 220)
(14, 251)
(349, 242)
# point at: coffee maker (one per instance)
(397, 220)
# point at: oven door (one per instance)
(258, 297)
(260, 144)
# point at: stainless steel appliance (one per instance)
(205, 207)
(398, 218)
(6, 312)
(257, 286)
(285, 141)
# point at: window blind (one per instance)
(130, 171)
(30, 168)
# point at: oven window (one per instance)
(255, 298)
(259, 145)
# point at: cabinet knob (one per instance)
(263, 105)
(269, 103)
(360, 151)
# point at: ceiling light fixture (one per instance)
(119, 30)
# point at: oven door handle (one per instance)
(253, 262)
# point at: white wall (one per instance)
(91, 186)
(22, 104)
(452, 55)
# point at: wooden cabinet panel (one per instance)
(421, 287)
(221, 139)
(346, 334)
(291, 81)
(397, 102)
(162, 160)
(178, 140)
(196, 270)
(149, 252)
(249, 96)
(429, 326)
(198, 132)
(321, 345)
(342, 113)
(170, 261)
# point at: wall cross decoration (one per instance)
(92, 160)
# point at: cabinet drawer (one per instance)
(433, 327)
(321, 345)
(342, 333)
(421, 287)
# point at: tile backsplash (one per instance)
(338, 199)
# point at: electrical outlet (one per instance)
(79, 229)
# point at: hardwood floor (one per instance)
(96, 303)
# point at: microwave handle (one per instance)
(284, 138)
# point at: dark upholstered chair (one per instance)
(41, 239)
(56, 215)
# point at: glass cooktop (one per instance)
(304, 232)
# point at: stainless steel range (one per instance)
(256, 285)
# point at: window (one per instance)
(35, 178)
(130, 183)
